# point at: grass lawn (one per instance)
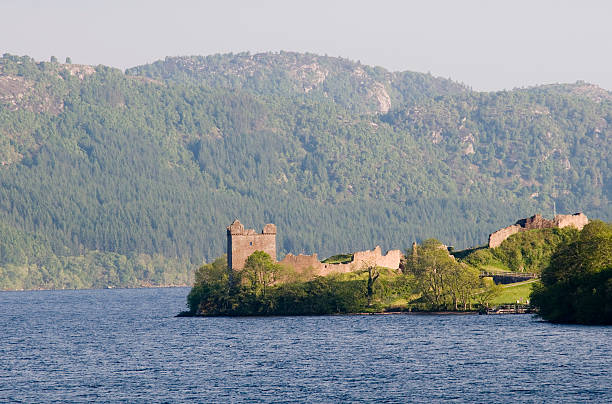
(339, 259)
(495, 268)
(514, 291)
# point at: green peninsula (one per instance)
(570, 280)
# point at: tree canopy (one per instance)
(577, 285)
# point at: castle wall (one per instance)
(361, 260)
(302, 262)
(536, 222)
(577, 220)
(498, 237)
(241, 243)
(375, 257)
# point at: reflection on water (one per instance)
(125, 345)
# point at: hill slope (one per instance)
(341, 156)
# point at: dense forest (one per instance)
(129, 178)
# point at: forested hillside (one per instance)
(153, 163)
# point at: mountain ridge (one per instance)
(95, 159)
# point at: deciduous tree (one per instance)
(260, 271)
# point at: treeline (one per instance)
(96, 270)
(30, 263)
(131, 165)
(577, 285)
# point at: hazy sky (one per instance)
(487, 44)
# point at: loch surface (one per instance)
(125, 345)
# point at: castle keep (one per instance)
(242, 243)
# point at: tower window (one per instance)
(250, 243)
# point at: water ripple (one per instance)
(126, 346)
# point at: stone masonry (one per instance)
(361, 260)
(577, 220)
(242, 243)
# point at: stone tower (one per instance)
(241, 243)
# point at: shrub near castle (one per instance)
(442, 281)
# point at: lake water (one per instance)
(125, 345)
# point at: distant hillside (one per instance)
(353, 86)
(341, 156)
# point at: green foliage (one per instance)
(95, 269)
(29, 262)
(260, 271)
(216, 271)
(211, 284)
(339, 259)
(160, 159)
(530, 251)
(577, 285)
(442, 281)
(488, 293)
(214, 294)
(323, 295)
(481, 257)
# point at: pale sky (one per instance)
(486, 44)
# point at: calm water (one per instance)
(126, 346)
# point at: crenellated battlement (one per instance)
(241, 243)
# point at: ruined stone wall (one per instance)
(577, 220)
(241, 243)
(536, 222)
(302, 262)
(498, 237)
(361, 260)
(375, 257)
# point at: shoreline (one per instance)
(105, 288)
(381, 313)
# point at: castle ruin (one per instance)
(361, 260)
(242, 243)
(577, 220)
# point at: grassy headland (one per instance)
(429, 279)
